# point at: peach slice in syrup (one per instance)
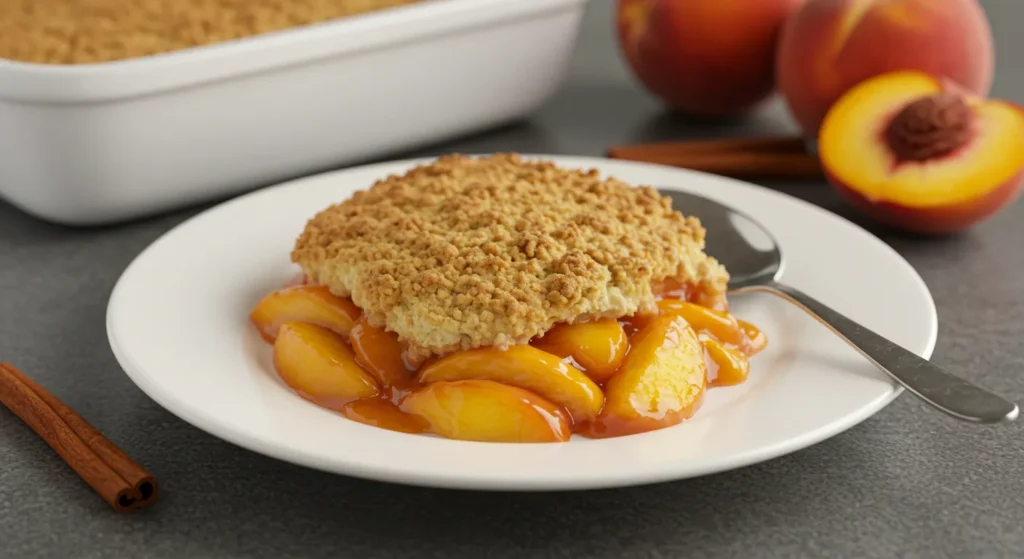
(722, 326)
(381, 413)
(730, 365)
(598, 346)
(319, 366)
(304, 303)
(526, 367)
(484, 410)
(756, 340)
(380, 353)
(661, 382)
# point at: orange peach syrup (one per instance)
(602, 378)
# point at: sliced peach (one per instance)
(597, 346)
(380, 353)
(316, 363)
(728, 365)
(526, 367)
(383, 414)
(718, 324)
(716, 321)
(633, 324)
(304, 303)
(920, 154)
(756, 340)
(484, 410)
(661, 382)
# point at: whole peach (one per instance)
(828, 46)
(711, 58)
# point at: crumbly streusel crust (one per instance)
(468, 252)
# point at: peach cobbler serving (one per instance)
(499, 299)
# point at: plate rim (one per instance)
(406, 477)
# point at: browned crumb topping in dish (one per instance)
(465, 253)
(90, 31)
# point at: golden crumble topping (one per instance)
(466, 253)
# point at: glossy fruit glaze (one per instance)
(602, 378)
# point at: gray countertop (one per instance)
(908, 482)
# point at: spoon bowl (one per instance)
(738, 241)
(755, 263)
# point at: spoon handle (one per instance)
(941, 389)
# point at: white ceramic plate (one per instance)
(177, 323)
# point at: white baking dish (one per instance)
(99, 143)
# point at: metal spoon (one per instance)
(757, 265)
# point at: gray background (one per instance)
(905, 483)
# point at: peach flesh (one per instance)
(934, 221)
(598, 347)
(661, 382)
(319, 366)
(526, 367)
(828, 46)
(937, 160)
(303, 303)
(488, 411)
(710, 58)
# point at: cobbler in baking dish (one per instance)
(506, 300)
(95, 31)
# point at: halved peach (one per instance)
(319, 366)
(661, 382)
(484, 410)
(380, 353)
(728, 365)
(597, 346)
(526, 367)
(383, 414)
(303, 303)
(921, 154)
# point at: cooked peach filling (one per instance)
(604, 378)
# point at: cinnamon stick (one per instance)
(743, 165)
(778, 158)
(118, 479)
